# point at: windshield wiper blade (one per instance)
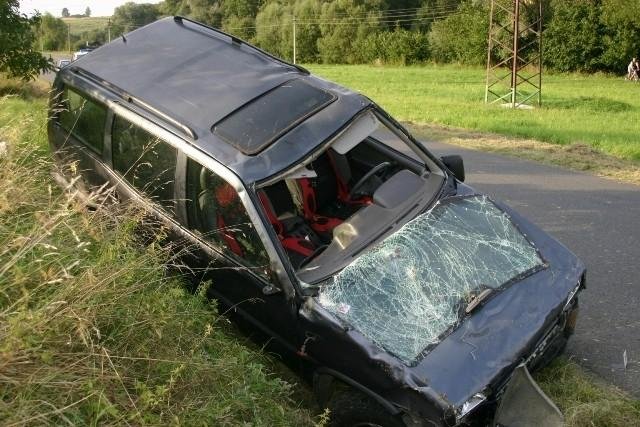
(477, 300)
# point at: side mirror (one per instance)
(455, 164)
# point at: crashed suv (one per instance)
(408, 297)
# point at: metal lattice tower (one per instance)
(514, 58)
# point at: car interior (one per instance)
(346, 192)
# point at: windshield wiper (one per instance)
(477, 300)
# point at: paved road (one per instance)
(597, 219)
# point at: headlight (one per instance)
(470, 405)
(572, 295)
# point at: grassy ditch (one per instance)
(92, 328)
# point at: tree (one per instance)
(238, 17)
(206, 11)
(65, 12)
(17, 55)
(52, 32)
(573, 38)
(621, 20)
(87, 12)
(462, 36)
(341, 34)
(131, 15)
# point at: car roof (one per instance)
(198, 76)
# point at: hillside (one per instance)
(78, 26)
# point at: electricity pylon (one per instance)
(514, 58)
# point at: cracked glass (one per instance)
(407, 291)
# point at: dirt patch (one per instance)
(577, 156)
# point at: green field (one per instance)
(80, 25)
(600, 111)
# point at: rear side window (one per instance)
(217, 213)
(84, 118)
(144, 160)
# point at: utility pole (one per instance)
(69, 37)
(294, 39)
(514, 61)
(109, 30)
(514, 57)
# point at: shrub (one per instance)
(462, 37)
(399, 47)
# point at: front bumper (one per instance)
(547, 348)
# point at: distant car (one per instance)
(82, 52)
(63, 63)
(408, 297)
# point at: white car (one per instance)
(82, 52)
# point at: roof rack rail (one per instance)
(126, 96)
(181, 19)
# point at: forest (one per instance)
(579, 35)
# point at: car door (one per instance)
(229, 253)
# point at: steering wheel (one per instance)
(315, 253)
(374, 171)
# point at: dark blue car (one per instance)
(407, 297)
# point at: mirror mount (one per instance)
(455, 164)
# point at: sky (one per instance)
(54, 7)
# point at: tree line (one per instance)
(579, 35)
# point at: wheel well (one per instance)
(326, 381)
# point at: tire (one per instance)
(352, 409)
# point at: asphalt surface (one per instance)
(599, 220)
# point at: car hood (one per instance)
(473, 245)
(406, 292)
(494, 339)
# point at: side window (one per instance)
(84, 118)
(216, 211)
(144, 160)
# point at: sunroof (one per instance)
(256, 125)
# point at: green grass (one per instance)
(93, 330)
(586, 401)
(80, 25)
(600, 111)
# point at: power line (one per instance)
(373, 17)
(355, 21)
(377, 19)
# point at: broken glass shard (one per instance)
(407, 291)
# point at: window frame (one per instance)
(64, 88)
(172, 212)
(220, 247)
(186, 150)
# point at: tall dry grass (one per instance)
(93, 330)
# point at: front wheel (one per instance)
(352, 409)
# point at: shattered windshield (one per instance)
(407, 291)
